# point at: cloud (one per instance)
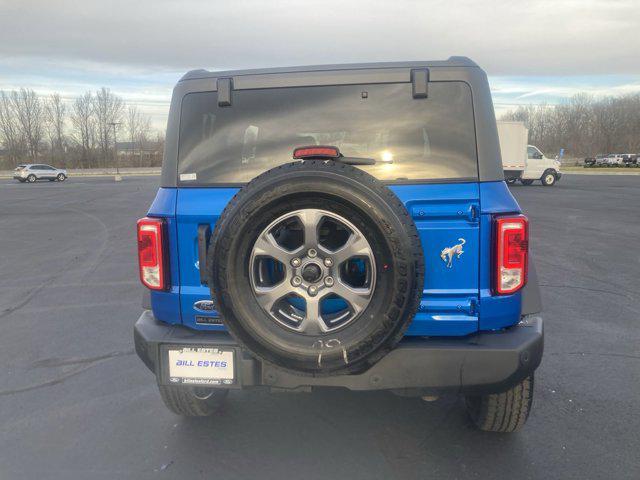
(506, 37)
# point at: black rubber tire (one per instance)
(510, 181)
(504, 412)
(365, 202)
(546, 178)
(183, 401)
(31, 178)
(526, 182)
(61, 177)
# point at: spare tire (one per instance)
(316, 267)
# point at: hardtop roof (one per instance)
(454, 69)
(450, 62)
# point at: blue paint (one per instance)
(166, 305)
(443, 215)
(495, 197)
(196, 206)
(455, 301)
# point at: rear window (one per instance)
(411, 139)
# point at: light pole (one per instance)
(115, 145)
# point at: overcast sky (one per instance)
(534, 51)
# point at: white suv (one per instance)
(32, 172)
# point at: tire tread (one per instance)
(182, 401)
(505, 411)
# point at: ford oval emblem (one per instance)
(204, 306)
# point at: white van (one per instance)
(524, 162)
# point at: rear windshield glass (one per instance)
(411, 139)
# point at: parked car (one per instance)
(39, 171)
(613, 160)
(601, 160)
(629, 159)
(589, 161)
(368, 241)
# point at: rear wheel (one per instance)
(193, 401)
(31, 178)
(502, 412)
(510, 181)
(526, 182)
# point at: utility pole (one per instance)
(115, 146)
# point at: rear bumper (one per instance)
(481, 363)
(558, 175)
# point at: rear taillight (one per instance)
(151, 253)
(511, 237)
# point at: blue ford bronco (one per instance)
(338, 226)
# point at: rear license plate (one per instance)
(200, 366)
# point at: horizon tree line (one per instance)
(80, 134)
(583, 125)
(77, 134)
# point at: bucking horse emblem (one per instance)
(447, 254)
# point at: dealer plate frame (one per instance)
(165, 379)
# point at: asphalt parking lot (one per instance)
(75, 401)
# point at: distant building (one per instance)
(136, 153)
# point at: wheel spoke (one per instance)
(312, 323)
(268, 296)
(310, 219)
(355, 246)
(267, 246)
(357, 298)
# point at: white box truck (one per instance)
(524, 162)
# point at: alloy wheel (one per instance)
(312, 271)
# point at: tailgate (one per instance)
(444, 214)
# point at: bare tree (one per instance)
(138, 127)
(10, 133)
(584, 125)
(132, 126)
(84, 126)
(108, 109)
(144, 128)
(30, 114)
(55, 115)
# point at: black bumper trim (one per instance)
(481, 363)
